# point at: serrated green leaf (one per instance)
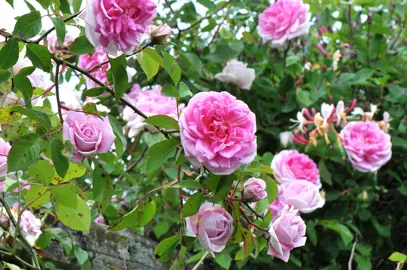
(166, 247)
(76, 218)
(121, 141)
(192, 205)
(39, 56)
(28, 25)
(60, 30)
(35, 115)
(81, 45)
(61, 162)
(24, 152)
(37, 196)
(159, 153)
(150, 62)
(223, 187)
(170, 91)
(9, 54)
(119, 73)
(163, 121)
(172, 67)
(139, 217)
(102, 187)
(42, 171)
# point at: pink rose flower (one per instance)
(276, 207)
(158, 33)
(4, 150)
(30, 226)
(38, 79)
(88, 134)
(118, 24)
(100, 219)
(213, 225)
(286, 233)
(290, 165)
(237, 73)
(54, 46)
(368, 147)
(254, 189)
(283, 21)
(87, 62)
(303, 195)
(218, 132)
(151, 102)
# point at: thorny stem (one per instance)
(14, 256)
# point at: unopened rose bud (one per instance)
(254, 189)
(159, 34)
(4, 221)
(354, 54)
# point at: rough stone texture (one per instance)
(107, 250)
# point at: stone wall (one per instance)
(108, 250)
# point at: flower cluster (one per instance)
(298, 191)
(151, 102)
(365, 141)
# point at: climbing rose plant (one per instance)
(243, 133)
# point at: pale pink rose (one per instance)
(9, 99)
(254, 189)
(237, 73)
(118, 25)
(368, 147)
(30, 226)
(283, 21)
(303, 195)
(151, 102)
(213, 225)
(55, 47)
(290, 165)
(286, 233)
(87, 62)
(38, 79)
(4, 150)
(88, 134)
(286, 138)
(158, 33)
(100, 219)
(218, 132)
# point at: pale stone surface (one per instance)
(107, 250)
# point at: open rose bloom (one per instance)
(286, 233)
(218, 132)
(118, 25)
(87, 62)
(237, 73)
(88, 134)
(151, 102)
(213, 225)
(283, 21)
(368, 147)
(290, 165)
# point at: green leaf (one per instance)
(42, 171)
(44, 3)
(150, 62)
(11, 266)
(170, 91)
(65, 196)
(39, 56)
(94, 92)
(161, 228)
(119, 73)
(383, 230)
(76, 218)
(81, 255)
(81, 45)
(139, 217)
(184, 90)
(211, 6)
(74, 171)
(61, 162)
(261, 169)
(159, 153)
(121, 141)
(172, 67)
(9, 54)
(343, 231)
(23, 84)
(223, 259)
(304, 98)
(261, 243)
(192, 205)
(102, 187)
(223, 187)
(11, 3)
(28, 25)
(35, 115)
(37, 196)
(166, 247)
(60, 29)
(24, 152)
(397, 257)
(272, 190)
(311, 232)
(178, 263)
(325, 174)
(163, 121)
(248, 245)
(4, 75)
